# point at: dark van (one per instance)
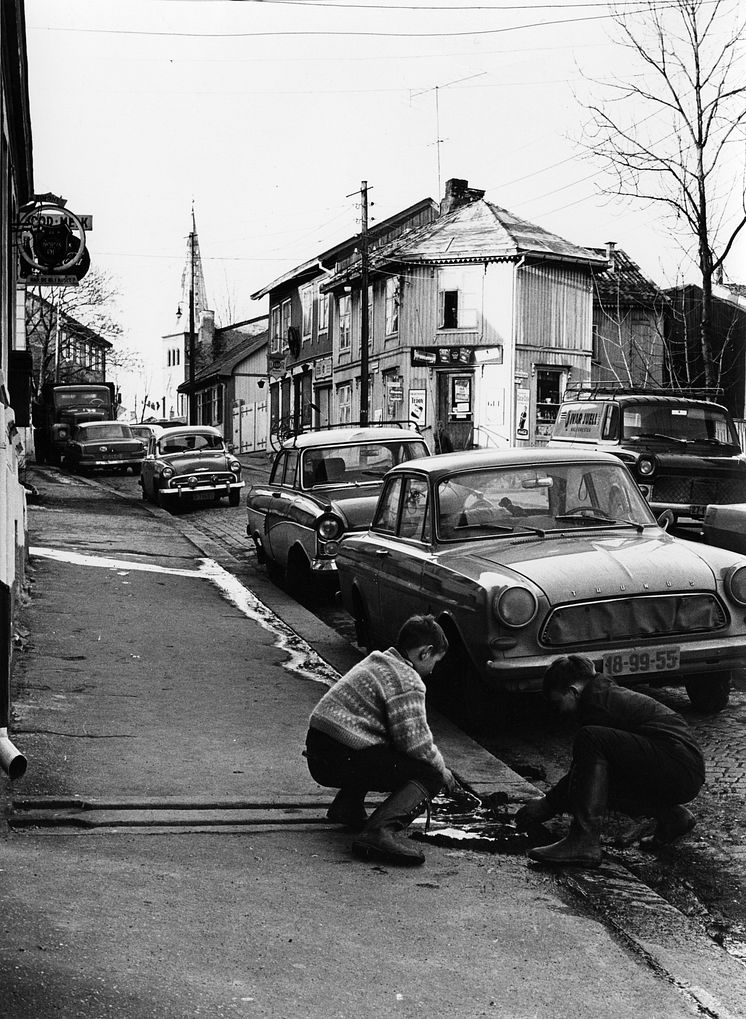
(683, 452)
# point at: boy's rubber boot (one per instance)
(381, 838)
(348, 809)
(581, 847)
(673, 824)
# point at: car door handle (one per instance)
(382, 552)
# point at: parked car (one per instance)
(146, 432)
(684, 453)
(525, 555)
(103, 445)
(323, 485)
(190, 464)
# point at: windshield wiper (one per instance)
(660, 435)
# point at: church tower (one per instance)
(194, 325)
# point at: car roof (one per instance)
(103, 421)
(191, 430)
(473, 459)
(350, 436)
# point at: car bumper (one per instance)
(93, 464)
(525, 675)
(186, 492)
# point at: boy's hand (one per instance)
(450, 782)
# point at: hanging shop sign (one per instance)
(52, 243)
(276, 365)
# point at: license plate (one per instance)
(204, 496)
(636, 662)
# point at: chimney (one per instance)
(610, 255)
(458, 194)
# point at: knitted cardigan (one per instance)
(381, 700)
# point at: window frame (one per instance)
(344, 323)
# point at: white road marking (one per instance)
(302, 659)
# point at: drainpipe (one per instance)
(12, 760)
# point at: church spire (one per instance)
(192, 278)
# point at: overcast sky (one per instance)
(269, 114)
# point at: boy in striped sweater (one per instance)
(370, 731)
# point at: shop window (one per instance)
(548, 397)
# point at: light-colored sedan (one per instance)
(323, 485)
(525, 555)
(190, 464)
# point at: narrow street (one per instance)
(167, 854)
(704, 877)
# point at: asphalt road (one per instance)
(704, 877)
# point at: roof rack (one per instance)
(591, 391)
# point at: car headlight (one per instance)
(167, 472)
(234, 466)
(735, 584)
(515, 606)
(329, 528)
(646, 466)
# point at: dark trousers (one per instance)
(380, 768)
(645, 775)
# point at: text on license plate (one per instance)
(651, 659)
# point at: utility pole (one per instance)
(192, 343)
(364, 338)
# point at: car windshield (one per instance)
(191, 443)
(106, 430)
(535, 499)
(81, 397)
(678, 422)
(363, 463)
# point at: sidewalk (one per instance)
(167, 853)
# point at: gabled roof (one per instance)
(623, 282)
(482, 231)
(224, 366)
(478, 232)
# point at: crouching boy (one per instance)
(370, 732)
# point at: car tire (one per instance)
(709, 693)
(234, 497)
(363, 630)
(455, 682)
(298, 575)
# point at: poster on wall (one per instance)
(417, 405)
(521, 412)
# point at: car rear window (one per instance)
(110, 430)
(365, 462)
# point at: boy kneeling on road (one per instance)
(370, 732)
(630, 752)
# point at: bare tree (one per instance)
(673, 131)
(90, 306)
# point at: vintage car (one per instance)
(103, 445)
(525, 555)
(323, 485)
(146, 431)
(684, 453)
(190, 464)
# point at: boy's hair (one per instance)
(419, 631)
(563, 672)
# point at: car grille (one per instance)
(620, 619)
(204, 479)
(699, 490)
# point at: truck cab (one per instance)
(61, 408)
(682, 450)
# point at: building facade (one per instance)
(16, 189)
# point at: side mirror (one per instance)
(666, 519)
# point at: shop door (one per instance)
(455, 421)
